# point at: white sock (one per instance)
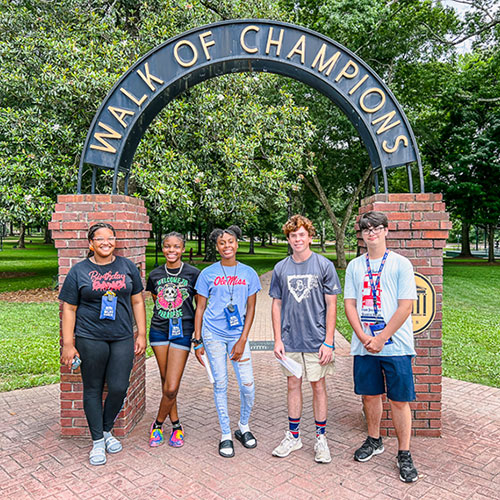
(243, 428)
(107, 434)
(226, 436)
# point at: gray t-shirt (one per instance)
(301, 287)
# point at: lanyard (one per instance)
(230, 288)
(374, 286)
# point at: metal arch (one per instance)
(228, 57)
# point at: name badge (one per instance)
(376, 328)
(108, 306)
(232, 316)
(174, 328)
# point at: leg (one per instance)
(94, 355)
(244, 375)
(401, 418)
(216, 349)
(372, 406)
(175, 368)
(294, 397)
(320, 399)
(121, 359)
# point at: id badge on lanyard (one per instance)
(108, 305)
(232, 316)
(174, 328)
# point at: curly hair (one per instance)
(295, 222)
(232, 230)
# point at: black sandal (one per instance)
(245, 438)
(227, 444)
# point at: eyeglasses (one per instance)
(112, 239)
(374, 230)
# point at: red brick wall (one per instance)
(418, 229)
(73, 216)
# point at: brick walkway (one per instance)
(464, 464)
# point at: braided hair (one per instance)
(93, 229)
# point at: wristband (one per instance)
(328, 345)
(199, 346)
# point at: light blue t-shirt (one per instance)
(396, 282)
(217, 283)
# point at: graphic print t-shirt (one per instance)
(301, 287)
(397, 281)
(217, 284)
(174, 297)
(84, 287)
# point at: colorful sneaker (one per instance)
(288, 445)
(407, 471)
(156, 436)
(176, 438)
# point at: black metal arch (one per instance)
(253, 45)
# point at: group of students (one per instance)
(213, 310)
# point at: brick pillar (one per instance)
(73, 216)
(418, 229)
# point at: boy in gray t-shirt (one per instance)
(304, 288)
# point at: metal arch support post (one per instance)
(410, 179)
(94, 177)
(125, 188)
(115, 181)
(377, 187)
(386, 183)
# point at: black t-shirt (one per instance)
(84, 287)
(174, 297)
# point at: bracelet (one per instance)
(199, 346)
(328, 345)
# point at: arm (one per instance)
(279, 348)
(326, 353)
(201, 305)
(239, 347)
(352, 316)
(68, 330)
(139, 310)
(376, 344)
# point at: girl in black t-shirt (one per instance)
(101, 295)
(172, 325)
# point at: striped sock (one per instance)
(320, 427)
(293, 425)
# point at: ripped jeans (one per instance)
(218, 349)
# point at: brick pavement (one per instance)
(35, 462)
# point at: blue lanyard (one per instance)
(374, 286)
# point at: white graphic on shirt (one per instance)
(300, 285)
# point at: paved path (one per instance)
(35, 462)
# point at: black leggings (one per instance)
(110, 362)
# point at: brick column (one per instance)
(418, 229)
(73, 216)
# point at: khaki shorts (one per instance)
(312, 371)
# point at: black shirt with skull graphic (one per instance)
(174, 297)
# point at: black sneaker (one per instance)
(369, 448)
(407, 471)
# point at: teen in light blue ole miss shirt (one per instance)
(227, 293)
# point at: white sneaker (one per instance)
(288, 445)
(321, 449)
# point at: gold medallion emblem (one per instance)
(424, 308)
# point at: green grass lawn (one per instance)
(29, 332)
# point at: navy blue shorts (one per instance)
(157, 337)
(374, 374)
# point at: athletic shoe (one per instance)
(176, 438)
(407, 471)
(322, 453)
(369, 448)
(288, 445)
(156, 436)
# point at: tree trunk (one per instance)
(251, 249)
(465, 252)
(263, 240)
(210, 250)
(340, 249)
(270, 239)
(199, 253)
(22, 232)
(47, 237)
(491, 243)
(322, 237)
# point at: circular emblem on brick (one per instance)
(424, 308)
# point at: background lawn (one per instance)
(29, 332)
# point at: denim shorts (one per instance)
(374, 374)
(157, 337)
